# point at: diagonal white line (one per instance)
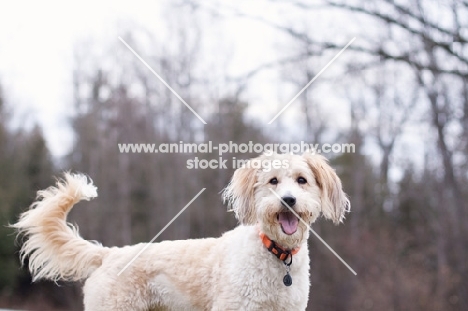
(313, 79)
(162, 80)
(159, 233)
(315, 233)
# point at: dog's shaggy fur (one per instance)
(233, 272)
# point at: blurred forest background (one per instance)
(405, 76)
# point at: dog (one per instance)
(262, 264)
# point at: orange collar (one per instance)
(280, 252)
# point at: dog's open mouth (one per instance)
(288, 222)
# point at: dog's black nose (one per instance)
(290, 200)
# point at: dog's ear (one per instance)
(240, 194)
(335, 202)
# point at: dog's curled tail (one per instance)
(54, 248)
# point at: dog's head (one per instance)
(306, 183)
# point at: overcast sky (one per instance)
(36, 55)
(37, 39)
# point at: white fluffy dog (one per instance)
(263, 264)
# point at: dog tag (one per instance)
(287, 280)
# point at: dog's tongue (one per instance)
(288, 222)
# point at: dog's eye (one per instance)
(273, 181)
(301, 180)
